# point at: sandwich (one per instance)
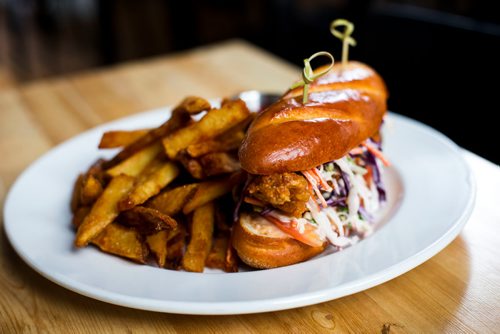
(314, 169)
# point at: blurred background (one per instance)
(440, 59)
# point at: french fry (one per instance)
(231, 263)
(91, 190)
(175, 247)
(194, 105)
(208, 191)
(218, 163)
(180, 117)
(217, 256)
(225, 142)
(80, 215)
(172, 201)
(201, 238)
(192, 165)
(134, 165)
(76, 194)
(104, 210)
(122, 241)
(114, 139)
(125, 206)
(157, 244)
(87, 196)
(146, 220)
(215, 122)
(155, 179)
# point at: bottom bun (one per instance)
(260, 244)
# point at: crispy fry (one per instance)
(192, 165)
(208, 191)
(215, 122)
(134, 165)
(120, 138)
(156, 178)
(146, 220)
(80, 215)
(175, 247)
(172, 201)
(201, 238)
(225, 142)
(91, 190)
(104, 210)
(180, 117)
(122, 241)
(231, 263)
(217, 256)
(218, 163)
(194, 105)
(76, 195)
(86, 187)
(157, 244)
(126, 206)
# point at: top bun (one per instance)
(344, 107)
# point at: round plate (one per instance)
(438, 198)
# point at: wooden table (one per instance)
(458, 290)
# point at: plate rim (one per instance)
(258, 305)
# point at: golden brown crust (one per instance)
(345, 107)
(268, 249)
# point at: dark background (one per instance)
(440, 59)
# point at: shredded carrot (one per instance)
(312, 183)
(253, 201)
(376, 153)
(322, 181)
(356, 150)
(310, 177)
(313, 195)
(368, 176)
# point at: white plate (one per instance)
(438, 198)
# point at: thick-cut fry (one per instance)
(172, 201)
(104, 210)
(200, 243)
(208, 191)
(122, 241)
(157, 244)
(217, 256)
(91, 190)
(231, 265)
(125, 206)
(120, 138)
(134, 165)
(215, 122)
(225, 142)
(175, 247)
(146, 220)
(194, 105)
(192, 165)
(80, 215)
(180, 117)
(76, 195)
(88, 186)
(153, 181)
(218, 163)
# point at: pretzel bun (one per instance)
(260, 244)
(345, 107)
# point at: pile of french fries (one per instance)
(168, 192)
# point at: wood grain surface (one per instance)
(456, 291)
